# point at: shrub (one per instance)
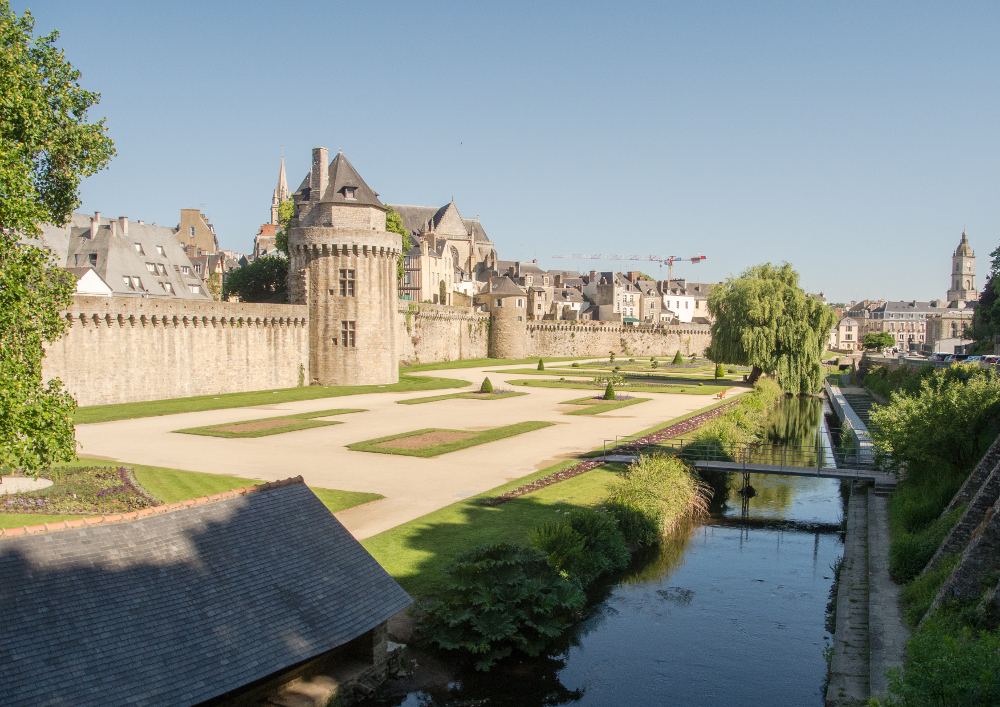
(917, 596)
(653, 496)
(631, 360)
(678, 359)
(611, 356)
(584, 547)
(909, 552)
(541, 365)
(576, 364)
(719, 371)
(655, 364)
(609, 392)
(498, 599)
(486, 387)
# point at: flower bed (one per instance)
(83, 491)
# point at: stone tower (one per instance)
(508, 315)
(963, 273)
(343, 266)
(280, 193)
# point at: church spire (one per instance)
(280, 193)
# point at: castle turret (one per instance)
(963, 273)
(343, 266)
(508, 315)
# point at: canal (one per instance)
(730, 611)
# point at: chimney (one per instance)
(123, 220)
(319, 175)
(95, 224)
(114, 229)
(558, 281)
(593, 275)
(140, 222)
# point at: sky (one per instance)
(855, 140)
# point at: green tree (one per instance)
(486, 387)
(47, 146)
(678, 359)
(541, 365)
(719, 371)
(263, 280)
(394, 224)
(877, 340)
(286, 209)
(442, 293)
(609, 392)
(764, 320)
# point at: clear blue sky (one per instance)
(854, 140)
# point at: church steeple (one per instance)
(963, 273)
(280, 194)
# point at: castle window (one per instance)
(347, 334)
(167, 287)
(519, 303)
(194, 289)
(185, 270)
(349, 193)
(93, 258)
(499, 302)
(163, 269)
(197, 267)
(128, 282)
(151, 267)
(159, 249)
(137, 283)
(138, 249)
(347, 283)
(191, 230)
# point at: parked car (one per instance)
(991, 359)
(937, 357)
(973, 359)
(949, 358)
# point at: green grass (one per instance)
(630, 375)
(690, 389)
(595, 406)
(477, 438)
(153, 408)
(415, 553)
(342, 500)
(466, 396)
(305, 421)
(477, 362)
(19, 520)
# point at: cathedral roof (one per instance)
(964, 249)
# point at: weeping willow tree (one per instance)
(764, 320)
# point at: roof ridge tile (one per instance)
(117, 518)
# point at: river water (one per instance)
(729, 612)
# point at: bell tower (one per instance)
(963, 273)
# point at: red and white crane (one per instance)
(669, 260)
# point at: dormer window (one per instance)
(349, 193)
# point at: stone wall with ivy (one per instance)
(563, 339)
(428, 333)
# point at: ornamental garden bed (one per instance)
(688, 388)
(432, 442)
(497, 394)
(89, 490)
(270, 425)
(595, 405)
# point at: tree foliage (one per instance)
(951, 419)
(764, 320)
(394, 224)
(877, 340)
(47, 146)
(584, 546)
(498, 599)
(263, 280)
(286, 209)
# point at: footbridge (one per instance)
(817, 460)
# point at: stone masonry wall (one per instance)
(427, 333)
(557, 339)
(120, 349)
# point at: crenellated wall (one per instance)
(427, 333)
(560, 339)
(123, 349)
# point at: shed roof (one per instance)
(181, 604)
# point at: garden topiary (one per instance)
(486, 387)
(655, 364)
(611, 356)
(719, 371)
(678, 359)
(498, 599)
(541, 365)
(576, 364)
(609, 392)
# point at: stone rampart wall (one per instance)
(121, 349)
(558, 339)
(428, 333)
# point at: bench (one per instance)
(721, 395)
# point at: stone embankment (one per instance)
(870, 636)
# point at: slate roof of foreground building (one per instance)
(182, 603)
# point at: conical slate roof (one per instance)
(342, 174)
(503, 285)
(964, 249)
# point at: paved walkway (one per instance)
(412, 486)
(20, 484)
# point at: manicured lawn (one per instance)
(342, 500)
(646, 376)
(465, 396)
(709, 388)
(477, 362)
(474, 438)
(153, 408)
(301, 421)
(595, 406)
(415, 553)
(19, 520)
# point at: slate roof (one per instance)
(177, 605)
(417, 219)
(503, 285)
(342, 174)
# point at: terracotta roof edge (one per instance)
(116, 518)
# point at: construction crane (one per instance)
(669, 260)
